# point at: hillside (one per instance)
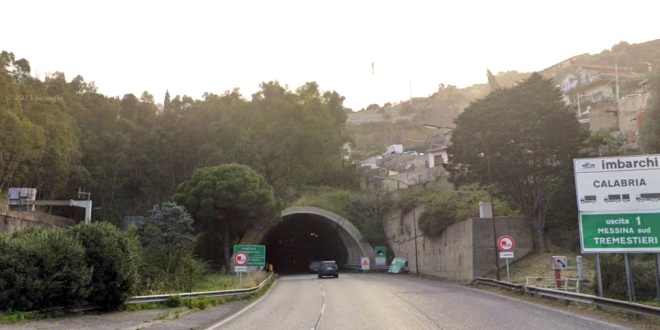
(378, 126)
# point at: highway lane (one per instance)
(385, 301)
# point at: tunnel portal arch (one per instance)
(355, 243)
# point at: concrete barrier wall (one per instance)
(11, 221)
(464, 251)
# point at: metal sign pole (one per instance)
(631, 293)
(240, 280)
(507, 270)
(657, 275)
(600, 277)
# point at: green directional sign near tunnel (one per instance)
(256, 254)
(620, 232)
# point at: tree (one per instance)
(168, 234)
(532, 138)
(225, 200)
(650, 130)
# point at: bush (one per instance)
(446, 208)
(113, 256)
(439, 215)
(190, 270)
(40, 268)
(613, 271)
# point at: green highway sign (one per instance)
(397, 265)
(381, 251)
(256, 254)
(620, 232)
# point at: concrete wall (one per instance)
(11, 221)
(464, 251)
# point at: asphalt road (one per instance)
(385, 301)
(353, 301)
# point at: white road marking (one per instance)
(322, 306)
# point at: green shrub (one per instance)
(40, 268)
(113, 256)
(446, 208)
(174, 301)
(613, 272)
(190, 271)
(439, 215)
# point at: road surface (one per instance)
(385, 301)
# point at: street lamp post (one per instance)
(414, 216)
(490, 188)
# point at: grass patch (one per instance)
(201, 303)
(217, 282)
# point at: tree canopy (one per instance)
(225, 200)
(131, 153)
(528, 136)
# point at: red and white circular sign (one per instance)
(241, 259)
(506, 243)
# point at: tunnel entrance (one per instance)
(305, 234)
(300, 239)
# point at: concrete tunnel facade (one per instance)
(356, 246)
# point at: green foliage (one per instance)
(130, 157)
(365, 209)
(225, 200)
(439, 215)
(113, 256)
(188, 273)
(328, 198)
(42, 267)
(168, 235)
(169, 239)
(45, 267)
(528, 136)
(613, 272)
(174, 301)
(603, 143)
(446, 208)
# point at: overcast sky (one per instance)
(191, 47)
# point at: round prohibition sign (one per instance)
(506, 243)
(241, 259)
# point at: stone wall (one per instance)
(464, 251)
(11, 221)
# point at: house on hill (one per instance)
(595, 92)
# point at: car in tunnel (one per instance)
(314, 266)
(328, 268)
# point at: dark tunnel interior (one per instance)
(300, 239)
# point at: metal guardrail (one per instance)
(575, 297)
(165, 297)
(372, 268)
(567, 283)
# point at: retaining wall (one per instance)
(464, 251)
(11, 221)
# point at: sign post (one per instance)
(248, 256)
(618, 202)
(506, 244)
(559, 263)
(240, 266)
